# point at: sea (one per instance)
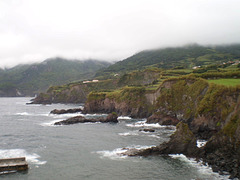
(89, 151)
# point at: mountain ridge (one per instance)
(30, 79)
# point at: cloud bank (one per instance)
(33, 30)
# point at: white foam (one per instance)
(29, 114)
(130, 133)
(201, 143)
(23, 114)
(117, 154)
(68, 115)
(144, 124)
(13, 153)
(94, 114)
(202, 169)
(124, 118)
(154, 136)
(51, 123)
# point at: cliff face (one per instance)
(73, 93)
(70, 94)
(78, 92)
(129, 101)
(205, 107)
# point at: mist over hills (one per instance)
(174, 57)
(30, 79)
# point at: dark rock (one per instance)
(73, 120)
(181, 142)
(111, 118)
(163, 119)
(147, 130)
(63, 111)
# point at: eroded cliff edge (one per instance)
(205, 107)
(210, 111)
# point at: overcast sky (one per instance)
(34, 30)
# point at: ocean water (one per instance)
(87, 151)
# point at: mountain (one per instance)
(175, 57)
(30, 79)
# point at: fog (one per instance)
(34, 30)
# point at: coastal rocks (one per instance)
(63, 111)
(162, 119)
(222, 151)
(147, 130)
(108, 105)
(73, 120)
(181, 142)
(111, 118)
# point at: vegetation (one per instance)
(31, 79)
(226, 82)
(177, 58)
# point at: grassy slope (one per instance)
(30, 79)
(180, 57)
(226, 82)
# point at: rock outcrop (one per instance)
(162, 119)
(222, 151)
(182, 141)
(65, 111)
(111, 118)
(203, 110)
(147, 130)
(129, 101)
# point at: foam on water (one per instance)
(29, 114)
(201, 143)
(154, 136)
(130, 133)
(13, 153)
(23, 114)
(117, 154)
(68, 115)
(124, 118)
(144, 124)
(51, 123)
(202, 169)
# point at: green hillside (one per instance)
(30, 79)
(185, 57)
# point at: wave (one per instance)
(94, 115)
(13, 153)
(202, 168)
(144, 124)
(117, 154)
(68, 115)
(51, 123)
(130, 133)
(201, 143)
(154, 136)
(124, 118)
(29, 114)
(23, 114)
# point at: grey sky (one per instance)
(33, 30)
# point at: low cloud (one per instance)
(34, 30)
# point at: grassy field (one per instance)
(226, 82)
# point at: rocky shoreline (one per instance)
(111, 118)
(199, 110)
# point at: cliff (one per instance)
(78, 92)
(204, 110)
(126, 101)
(73, 92)
(205, 107)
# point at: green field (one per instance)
(226, 82)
